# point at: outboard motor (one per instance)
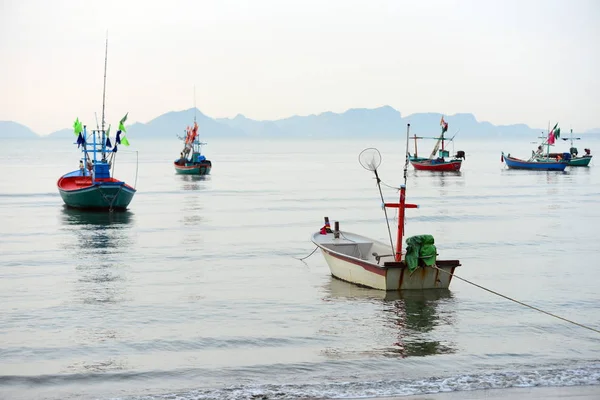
(573, 151)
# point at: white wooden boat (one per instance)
(367, 262)
(363, 261)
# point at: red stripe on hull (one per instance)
(70, 183)
(427, 166)
(365, 265)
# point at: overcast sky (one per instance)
(507, 61)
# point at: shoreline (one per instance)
(582, 392)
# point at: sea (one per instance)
(210, 288)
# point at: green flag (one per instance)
(124, 141)
(555, 131)
(122, 123)
(77, 127)
(108, 131)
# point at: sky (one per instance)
(505, 61)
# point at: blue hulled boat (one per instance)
(535, 164)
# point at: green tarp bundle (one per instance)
(420, 246)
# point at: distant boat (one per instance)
(539, 159)
(572, 157)
(196, 163)
(92, 186)
(535, 164)
(439, 163)
(367, 262)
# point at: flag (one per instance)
(77, 127)
(124, 141)
(118, 138)
(122, 123)
(551, 138)
(115, 148)
(80, 140)
(556, 131)
(108, 143)
(444, 125)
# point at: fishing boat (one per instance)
(539, 159)
(196, 163)
(533, 164)
(93, 185)
(371, 263)
(573, 157)
(441, 162)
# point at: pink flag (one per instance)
(551, 138)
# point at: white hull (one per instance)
(353, 258)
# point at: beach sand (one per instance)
(533, 393)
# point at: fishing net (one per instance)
(370, 159)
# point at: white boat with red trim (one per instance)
(363, 261)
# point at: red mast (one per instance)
(402, 205)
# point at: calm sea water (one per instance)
(195, 293)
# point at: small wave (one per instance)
(556, 377)
(588, 375)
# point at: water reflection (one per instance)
(194, 182)
(97, 242)
(412, 319)
(192, 210)
(441, 174)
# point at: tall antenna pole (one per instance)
(194, 103)
(104, 89)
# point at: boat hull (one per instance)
(580, 161)
(434, 165)
(583, 161)
(515, 163)
(79, 192)
(388, 276)
(193, 169)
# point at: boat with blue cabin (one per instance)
(93, 186)
(196, 163)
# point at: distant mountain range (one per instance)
(358, 122)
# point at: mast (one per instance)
(415, 135)
(104, 88)
(571, 139)
(194, 103)
(402, 205)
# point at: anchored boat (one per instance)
(573, 158)
(441, 162)
(93, 186)
(540, 160)
(196, 163)
(367, 262)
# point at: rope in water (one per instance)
(519, 302)
(497, 294)
(303, 258)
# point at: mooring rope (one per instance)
(303, 258)
(519, 302)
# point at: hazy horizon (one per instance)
(506, 62)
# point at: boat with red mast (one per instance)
(371, 263)
(442, 162)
